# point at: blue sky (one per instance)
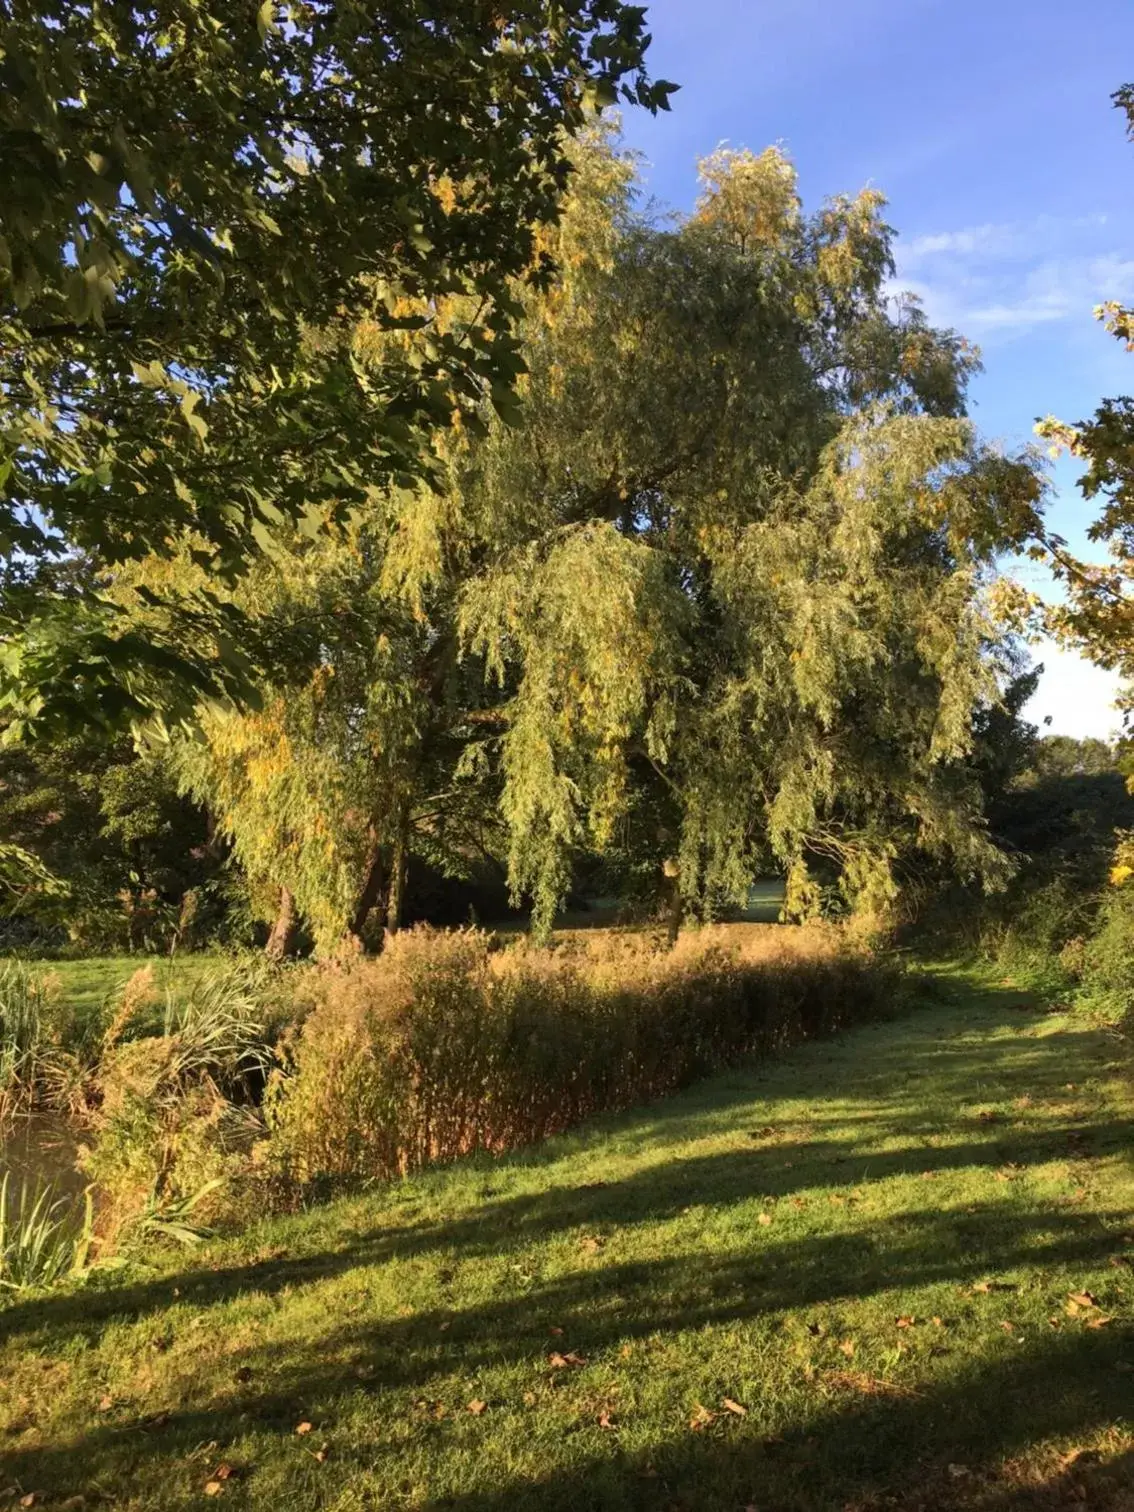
(988, 124)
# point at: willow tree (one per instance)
(736, 565)
(717, 593)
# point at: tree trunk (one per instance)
(398, 869)
(282, 937)
(371, 891)
(675, 908)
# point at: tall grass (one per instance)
(174, 1113)
(42, 1240)
(26, 1042)
(444, 1046)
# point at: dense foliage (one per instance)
(769, 535)
(199, 205)
(138, 864)
(1097, 612)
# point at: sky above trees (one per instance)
(990, 129)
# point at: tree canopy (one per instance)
(718, 593)
(1098, 613)
(201, 206)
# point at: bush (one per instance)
(30, 1052)
(1108, 958)
(444, 1046)
(173, 1101)
(42, 1238)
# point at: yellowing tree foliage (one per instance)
(719, 593)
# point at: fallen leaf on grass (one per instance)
(702, 1417)
(994, 1286)
(1099, 1322)
(905, 1322)
(223, 1472)
(477, 1407)
(303, 1428)
(765, 1219)
(734, 1407)
(1083, 1299)
(847, 1347)
(558, 1332)
(591, 1244)
(106, 1404)
(213, 1488)
(561, 1361)
(606, 1421)
(321, 1454)
(435, 1410)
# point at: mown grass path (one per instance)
(867, 1248)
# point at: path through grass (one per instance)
(841, 1280)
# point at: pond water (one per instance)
(39, 1150)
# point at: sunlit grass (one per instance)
(868, 1247)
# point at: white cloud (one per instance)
(997, 281)
(999, 241)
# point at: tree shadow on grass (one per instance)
(859, 1447)
(656, 1194)
(969, 1444)
(856, 1441)
(769, 1163)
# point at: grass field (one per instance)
(89, 982)
(892, 1270)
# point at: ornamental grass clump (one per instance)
(447, 1045)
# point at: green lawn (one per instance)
(87, 983)
(867, 1248)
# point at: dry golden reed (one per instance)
(448, 1044)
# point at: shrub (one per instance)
(1108, 957)
(174, 1115)
(42, 1239)
(444, 1046)
(28, 1036)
